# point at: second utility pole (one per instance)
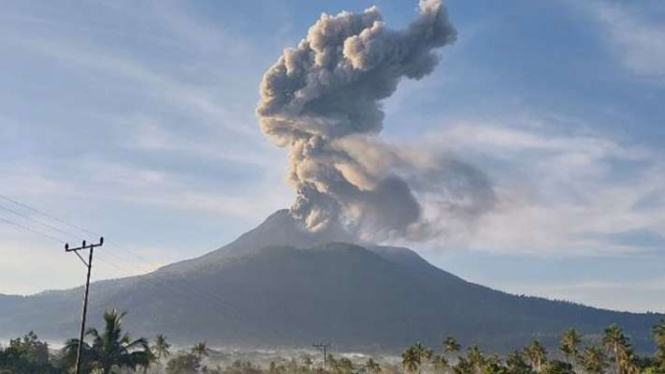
(324, 349)
(91, 248)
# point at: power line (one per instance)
(47, 236)
(164, 281)
(215, 302)
(27, 217)
(221, 305)
(35, 210)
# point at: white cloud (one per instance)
(637, 41)
(558, 193)
(196, 100)
(141, 186)
(146, 133)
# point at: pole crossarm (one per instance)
(85, 246)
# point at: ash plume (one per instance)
(322, 101)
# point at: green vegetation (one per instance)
(611, 354)
(161, 348)
(570, 341)
(112, 351)
(26, 355)
(414, 357)
(200, 350)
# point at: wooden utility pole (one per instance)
(324, 349)
(91, 248)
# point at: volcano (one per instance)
(279, 285)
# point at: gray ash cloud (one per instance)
(322, 101)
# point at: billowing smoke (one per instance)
(322, 101)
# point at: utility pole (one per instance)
(91, 248)
(324, 349)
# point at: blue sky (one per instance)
(137, 120)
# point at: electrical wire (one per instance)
(225, 307)
(26, 228)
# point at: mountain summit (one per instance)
(280, 285)
(279, 229)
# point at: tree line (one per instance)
(611, 354)
(112, 351)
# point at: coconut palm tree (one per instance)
(409, 360)
(450, 345)
(200, 350)
(476, 358)
(161, 347)
(659, 337)
(617, 343)
(307, 361)
(413, 357)
(441, 364)
(340, 366)
(516, 364)
(463, 366)
(536, 354)
(423, 352)
(111, 349)
(492, 365)
(372, 367)
(594, 360)
(69, 352)
(569, 347)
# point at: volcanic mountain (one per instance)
(280, 286)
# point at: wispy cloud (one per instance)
(558, 192)
(146, 133)
(186, 96)
(636, 39)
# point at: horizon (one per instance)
(139, 123)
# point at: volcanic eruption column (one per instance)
(322, 101)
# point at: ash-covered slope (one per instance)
(279, 285)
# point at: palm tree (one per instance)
(307, 361)
(423, 353)
(492, 364)
(412, 358)
(570, 341)
(536, 354)
(516, 364)
(659, 337)
(200, 349)
(340, 366)
(450, 345)
(440, 364)
(69, 352)
(372, 367)
(111, 348)
(617, 343)
(594, 360)
(476, 358)
(463, 366)
(161, 347)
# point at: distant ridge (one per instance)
(279, 285)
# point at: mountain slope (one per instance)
(280, 285)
